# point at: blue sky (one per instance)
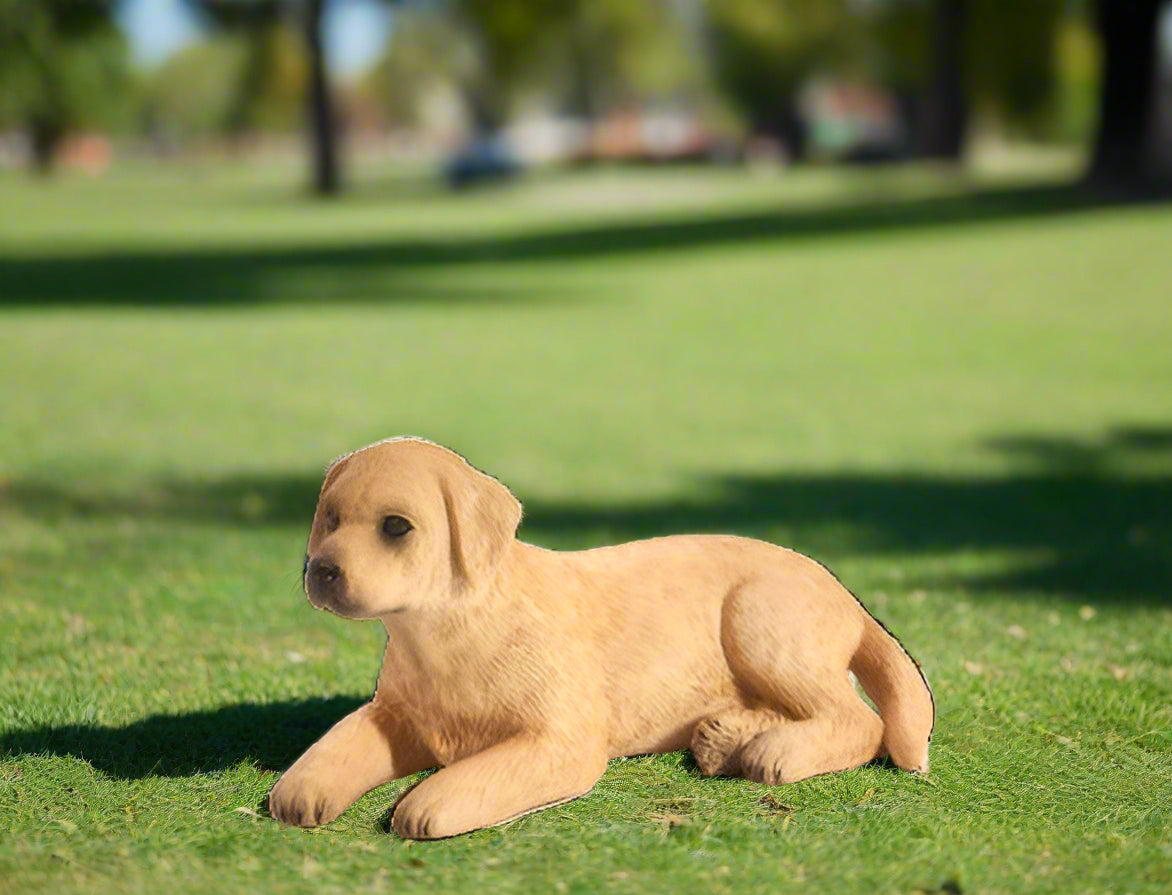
(355, 31)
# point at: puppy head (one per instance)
(405, 524)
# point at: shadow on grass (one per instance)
(382, 271)
(270, 736)
(1081, 519)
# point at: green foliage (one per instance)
(1077, 61)
(236, 80)
(273, 81)
(764, 50)
(195, 90)
(1012, 63)
(235, 14)
(426, 51)
(915, 379)
(610, 52)
(254, 69)
(63, 65)
(1011, 59)
(900, 30)
(585, 56)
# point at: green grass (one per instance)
(958, 394)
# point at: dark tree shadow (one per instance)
(1094, 530)
(271, 736)
(1086, 523)
(234, 500)
(387, 271)
(1087, 535)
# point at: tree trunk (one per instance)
(790, 128)
(1124, 154)
(257, 63)
(944, 115)
(45, 136)
(322, 125)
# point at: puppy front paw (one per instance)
(421, 816)
(301, 802)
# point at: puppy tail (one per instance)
(897, 686)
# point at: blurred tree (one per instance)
(257, 19)
(617, 52)
(417, 58)
(1126, 155)
(63, 65)
(270, 80)
(945, 113)
(426, 52)
(323, 123)
(231, 83)
(1011, 49)
(1077, 59)
(994, 58)
(594, 54)
(762, 52)
(194, 90)
(508, 38)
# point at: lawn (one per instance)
(955, 392)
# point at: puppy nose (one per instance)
(321, 572)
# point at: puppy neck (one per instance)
(460, 608)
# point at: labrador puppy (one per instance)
(520, 671)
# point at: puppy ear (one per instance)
(333, 472)
(483, 516)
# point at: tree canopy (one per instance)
(63, 66)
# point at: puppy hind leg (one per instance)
(718, 739)
(842, 736)
(789, 650)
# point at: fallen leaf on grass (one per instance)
(243, 810)
(1064, 740)
(773, 803)
(1016, 631)
(670, 820)
(973, 667)
(1086, 613)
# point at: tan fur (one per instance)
(520, 671)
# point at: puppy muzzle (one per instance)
(325, 584)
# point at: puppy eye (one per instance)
(396, 526)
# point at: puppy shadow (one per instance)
(269, 736)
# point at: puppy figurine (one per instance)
(520, 671)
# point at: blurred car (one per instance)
(481, 160)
